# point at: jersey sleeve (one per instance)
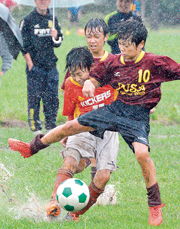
(168, 68)
(69, 104)
(26, 36)
(102, 73)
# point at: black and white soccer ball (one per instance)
(73, 195)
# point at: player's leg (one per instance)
(93, 167)
(146, 163)
(77, 147)
(149, 173)
(96, 188)
(81, 166)
(84, 163)
(62, 131)
(67, 171)
(42, 141)
(105, 163)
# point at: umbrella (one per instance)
(57, 3)
(10, 31)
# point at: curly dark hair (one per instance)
(133, 30)
(79, 57)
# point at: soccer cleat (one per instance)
(23, 148)
(72, 216)
(155, 215)
(53, 208)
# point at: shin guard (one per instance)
(62, 175)
(153, 193)
(94, 194)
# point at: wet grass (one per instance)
(36, 176)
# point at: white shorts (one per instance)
(86, 145)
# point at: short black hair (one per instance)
(97, 24)
(79, 57)
(133, 30)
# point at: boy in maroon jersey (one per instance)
(137, 76)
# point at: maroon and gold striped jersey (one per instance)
(137, 82)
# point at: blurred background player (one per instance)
(135, 8)
(39, 40)
(114, 19)
(7, 58)
(79, 63)
(74, 14)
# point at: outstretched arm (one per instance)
(89, 87)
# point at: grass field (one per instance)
(26, 184)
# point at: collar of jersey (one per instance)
(74, 82)
(137, 60)
(104, 56)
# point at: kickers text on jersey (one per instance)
(96, 99)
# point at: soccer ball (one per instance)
(72, 195)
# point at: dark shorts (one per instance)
(131, 121)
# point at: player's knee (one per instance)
(81, 166)
(70, 163)
(141, 153)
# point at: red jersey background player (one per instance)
(96, 34)
(79, 62)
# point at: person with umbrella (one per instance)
(10, 39)
(6, 56)
(39, 39)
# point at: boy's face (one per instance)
(124, 5)
(95, 40)
(79, 75)
(129, 50)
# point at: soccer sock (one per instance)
(93, 172)
(94, 193)
(36, 144)
(88, 162)
(154, 197)
(62, 175)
